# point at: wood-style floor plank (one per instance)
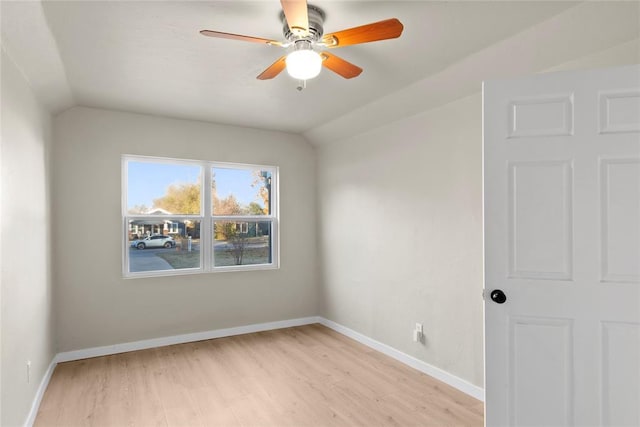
(293, 377)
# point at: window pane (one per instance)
(158, 244)
(163, 188)
(241, 243)
(241, 191)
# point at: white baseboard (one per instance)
(421, 366)
(31, 417)
(181, 339)
(444, 376)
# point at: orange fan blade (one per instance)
(296, 13)
(273, 70)
(383, 30)
(340, 66)
(230, 36)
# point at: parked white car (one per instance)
(154, 241)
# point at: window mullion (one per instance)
(206, 235)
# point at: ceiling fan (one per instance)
(306, 41)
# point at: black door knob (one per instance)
(498, 296)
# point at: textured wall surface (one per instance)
(95, 305)
(27, 321)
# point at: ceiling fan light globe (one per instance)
(303, 64)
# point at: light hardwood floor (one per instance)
(303, 376)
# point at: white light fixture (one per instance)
(303, 64)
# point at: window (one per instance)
(186, 216)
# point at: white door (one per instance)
(562, 242)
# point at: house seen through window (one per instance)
(184, 216)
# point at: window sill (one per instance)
(193, 271)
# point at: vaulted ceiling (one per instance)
(148, 57)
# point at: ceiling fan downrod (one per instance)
(316, 29)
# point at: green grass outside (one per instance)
(182, 259)
(223, 257)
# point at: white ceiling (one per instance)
(148, 57)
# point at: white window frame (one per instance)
(206, 218)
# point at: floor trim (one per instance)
(444, 376)
(181, 339)
(33, 411)
(68, 356)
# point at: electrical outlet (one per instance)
(417, 332)
(28, 371)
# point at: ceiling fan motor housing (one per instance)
(316, 20)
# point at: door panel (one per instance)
(619, 111)
(546, 398)
(621, 388)
(620, 204)
(562, 240)
(540, 220)
(541, 116)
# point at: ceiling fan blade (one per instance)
(273, 69)
(340, 66)
(230, 36)
(295, 11)
(383, 30)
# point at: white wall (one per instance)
(95, 306)
(26, 303)
(401, 235)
